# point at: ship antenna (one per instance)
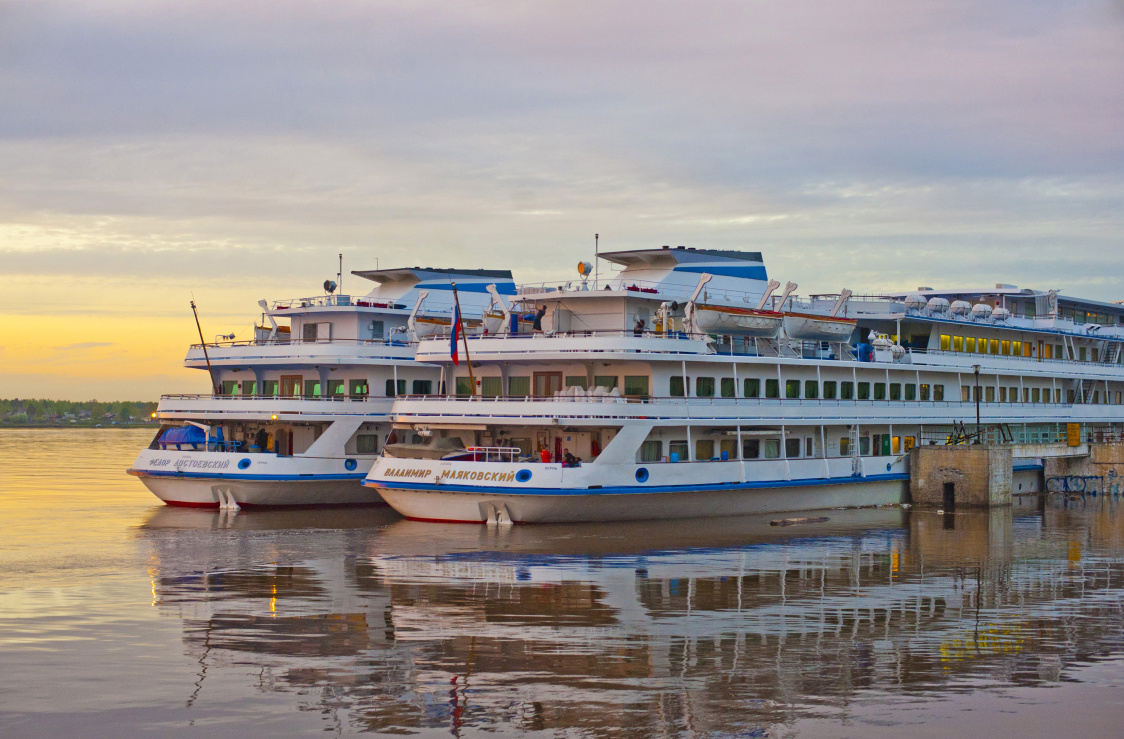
(203, 343)
(596, 261)
(339, 275)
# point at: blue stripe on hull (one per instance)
(636, 489)
(246, 478)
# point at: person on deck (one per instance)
(537, 326)
(570, 460)
(638, 329)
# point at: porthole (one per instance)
(244, 463)
(523, 475)
(642, 474)
(350, 464)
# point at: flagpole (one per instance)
(464, 337)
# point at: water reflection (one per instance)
(722, 627)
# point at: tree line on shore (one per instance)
(44, 412)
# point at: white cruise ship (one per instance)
(300, 412)
(691, 385)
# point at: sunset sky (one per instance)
(152, 151)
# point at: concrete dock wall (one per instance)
(960, 476)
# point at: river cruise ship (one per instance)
(692, 385)
(299, 413)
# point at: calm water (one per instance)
(121, 617)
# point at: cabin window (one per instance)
(957, 343)
(704, 449)
(678, 386)
(946, 343)
(229, 387)
(811, 389)
(1017, 349)
(704, 387)
(311, 388)
(575, 381)
(751, 448)
(989, 393)
(464, 386)
(910, 442)
(401, 389)
(519, 387)
(847, 390)
(1093, 352)
(792, 448)
(367, 444)
(249, 387)
(336, 387)
(938, 392)
(1035, 395)
(772, 388)
(895, 391)
(1081, 353)
(636, 385)
(970, 344)
(651, 451)
(358, 388)
(864, 446)
(1117, 397)
(728, 387)
(809, 447)
(1002, 395)
(1026, 395)
(879, 391)
(491, 387)
(864, 391)
(376, 328)
(792, 388)
(423, 387)
(844, 446)
(772, 448)
(993, 346)
(965, 393)
(896, 445)
(829, 389)
(677, 451)
(924, 392)
(606, 381)
(910, 392)
(752, 387)
(269, 387)
(728, 447)
(308, 332)
(1005, 347)
(1096, 397)
(1071, 396)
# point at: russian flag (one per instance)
(455, 334)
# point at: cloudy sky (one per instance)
(152, 151)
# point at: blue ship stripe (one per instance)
(249, 478)
(503, 288)
(638, 489)
(748, 272)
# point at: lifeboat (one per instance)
(818, 327)
(720, 319)
(426, 326)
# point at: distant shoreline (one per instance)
(77, 426)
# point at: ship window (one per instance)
(423, 387)
(311, 388)
(1002, 395)
(729, 448)
(924, 392)
(957, 343)
(358, 387)
(704, 387)
(728, 387)
(910, 442)
(636, 385)
(1018, 350)
(772, 388)
(811, 389)
(269, 387)
(1081, 353)
(864, 391)
(390, 390)
(752, 387)
(844, 446)
(1005, 347)
(938, 392)
(1118, 397)
(678, 389)
(335, 387)
(809, 446)
(491, 387)
(679, 449)
(1096, 396)
(772, 448)
(792, 388)
(946, 342)
(1026, 395)
(1013, 395)
(970, 344)
(910, 392)
(229, 387)
(864, 446)
(829, 389)
(519, 387)
(989, 393)
(964, 391)
(249, 387)
(575, 381)
(1094, 353)
(308, 332)
(377, 328)
(879, 391)
(846, 390)
(896, 445)
(895, 391)
(993, 345)
(751, 448)
(792, 448)
(367, 444)
(606, 381)
(1071, 396)
(704, 449)
(651, 451)
(464, 386)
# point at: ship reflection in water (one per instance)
(725, 627)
